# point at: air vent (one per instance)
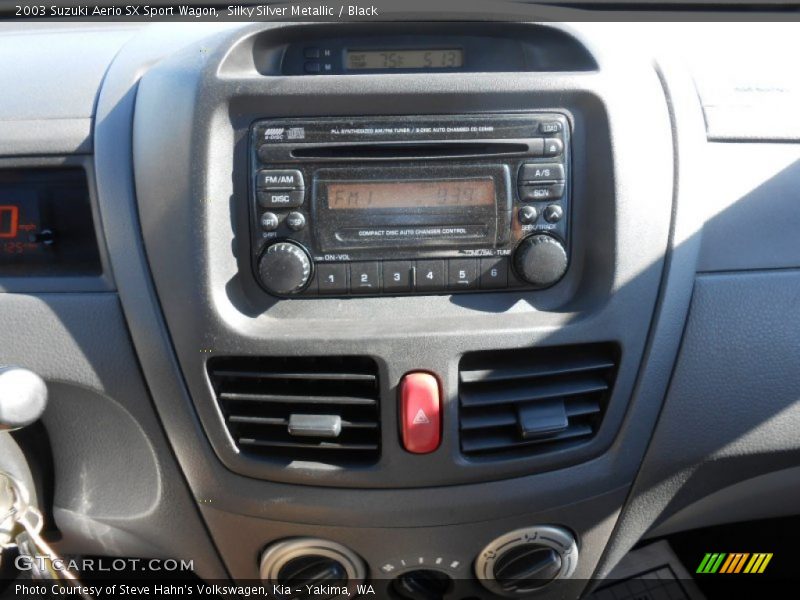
(526, 402)
(322, 410)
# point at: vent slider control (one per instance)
(329, 426)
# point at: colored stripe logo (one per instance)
(736, 562)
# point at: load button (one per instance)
(420, 408)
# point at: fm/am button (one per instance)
(280, 188)
(279, 179)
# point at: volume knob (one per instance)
(284, 268)
(541, 260)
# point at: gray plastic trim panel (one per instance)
(214, 307)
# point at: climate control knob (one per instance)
(284, 268)
(295, 563)
(525, 560)
(541, 260)
(422, 584)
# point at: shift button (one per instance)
(420, 413)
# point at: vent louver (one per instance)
(526, 402)
(322, 410)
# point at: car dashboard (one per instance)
(413, 301)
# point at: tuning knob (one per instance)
(284, 269)
(525, 560)
(541, 260)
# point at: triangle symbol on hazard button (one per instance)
(421, 418)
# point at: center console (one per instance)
(314, 236)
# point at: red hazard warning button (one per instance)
(420, 419)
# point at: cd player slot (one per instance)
(414, 233)
(412, 151)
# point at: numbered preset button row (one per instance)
(404, 276)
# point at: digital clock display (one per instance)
(9, 221)
(19, 224)
(411, 194)
(46, 226)
(447, 58)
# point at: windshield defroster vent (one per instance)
(322, 410)
(526, 402)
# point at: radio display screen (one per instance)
(447, 58)
(411, 194)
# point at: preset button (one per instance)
(430, 275)
(463, 273)
(397, 276)
(494, 273)
(365, 277)
(332, 278)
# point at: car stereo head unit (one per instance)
(402, 205)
